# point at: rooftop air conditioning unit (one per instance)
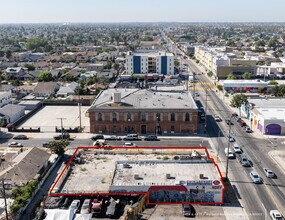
(137, 177)
(201, 176)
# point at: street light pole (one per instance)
(228, 150)
(61, 119)
(5, 202)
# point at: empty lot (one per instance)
(48, 118)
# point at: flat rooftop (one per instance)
(99, 169)
(145, 99)
(155, 173)
(272, 113)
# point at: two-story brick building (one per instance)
(143, 111)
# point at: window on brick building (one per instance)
(100, 117)
(187, 117)
(158, 117)
(129, 117)
(143, 116)
(172, 117)
(114, 117)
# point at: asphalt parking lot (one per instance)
(48, 118)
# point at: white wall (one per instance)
(5, 98)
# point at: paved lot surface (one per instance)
(47, 118)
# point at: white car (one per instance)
(255, 177)
(269, 173)
(15, 144)
(217, 118)
(275, 215)
(75, 205)
(236, 148)
(129, 144)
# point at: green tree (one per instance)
(238, 100)
(58, 147)
(219, 87)
(176, 62)
(69, 78)
(231, 76)
(8, 54)
(278, 90)
(261, 89)
(210, 74)
(272, 82)
(45, 76)
(246, 75)
(16, 82)
(30, 67)
(90, 81)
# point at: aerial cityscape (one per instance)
(142, 110)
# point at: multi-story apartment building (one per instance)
(143, 111)
(153, 62)
(222, 62)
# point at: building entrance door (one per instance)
(143, 129)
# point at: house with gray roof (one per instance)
(11, 113)
(25, 166)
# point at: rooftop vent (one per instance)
(116, 97)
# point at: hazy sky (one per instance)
(38, 11)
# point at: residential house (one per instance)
(24, 166)
(45, 89)
(22, 91)
(68, 90)
(5, 98)
(11, 113)
(15, 72)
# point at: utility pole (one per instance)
(61, 119)
(79, 108)
(194, 85)
(5, 202)
(228, 150)
(206, 109)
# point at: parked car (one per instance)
(151, 138)
(113, 138)
(236, 148)
(112, 209)
(229, 122)
(229, 153)
(75, 205)
(242, 123)
(243, 160)
(20, 137)
(255, 177)
(65, 136)
(86, 206)
(269, 173)
(45, 144)
(15, 144)
(188, 210)
(129, 144)
(96, 207)
(217, 118)
(196, 94)
(96, 137)
(275, 215)
(132, 137)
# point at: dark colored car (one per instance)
(97, 137)
(229, 122)
(151, 138)
(65, 136)
(20, 137)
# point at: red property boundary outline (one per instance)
(139, 193)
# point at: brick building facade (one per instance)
(144, 112)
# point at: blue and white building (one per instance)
(152, 62)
